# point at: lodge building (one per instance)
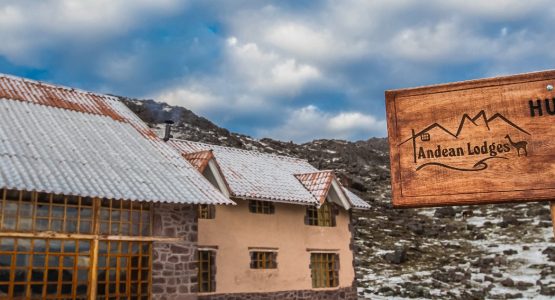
(288, 237)
(93, 204)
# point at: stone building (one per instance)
(92, 204)
(290, 235)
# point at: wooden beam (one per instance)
(68, 236)
(93, 270)
(93, 263)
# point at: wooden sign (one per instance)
(474, 142)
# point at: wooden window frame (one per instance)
(206, 276)
(116, 234)
(323, 216)
(261, 207)
(324, 269)
(206, 211)
(263, 259)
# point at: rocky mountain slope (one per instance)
(482, 252)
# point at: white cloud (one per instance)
(267, 72)
(441, 42)
(308, 123)
(192, 96)
(27, 27)
(250, 82)
(311, 44)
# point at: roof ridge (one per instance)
(55, 85)
(244, 150)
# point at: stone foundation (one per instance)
(348, 293)
(174, 269)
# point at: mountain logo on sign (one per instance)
(426, 155)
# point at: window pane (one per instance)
(5, 261)
(8, 223)
(31, 263)
(85, 227)
(10, 208)
(43, 210)
(41, 225)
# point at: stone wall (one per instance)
(174, 269)
(348, 293)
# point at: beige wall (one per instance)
(235, 230)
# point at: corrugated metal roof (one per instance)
(317, 183)
(89, 146)
(21, 89)
(256, 175)
(199, 159)
(355, 200)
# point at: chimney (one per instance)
(167, 133)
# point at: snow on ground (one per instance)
(494, 254)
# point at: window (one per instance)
(206, 271)
(116, 241)
(324, 269)
(263, 259)
(261, 207)
(44, 268)
(32, 212)
(125, 218)
(206, 211)
(323, 216)
(123, 269)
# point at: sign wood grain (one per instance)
(474, 142)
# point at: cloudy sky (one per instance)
(291, 70)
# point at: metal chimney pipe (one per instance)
(167, 133)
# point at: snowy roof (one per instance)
(355, 200)
(66, 141)
(263, 176)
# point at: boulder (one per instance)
(445, 212)
(397, 257)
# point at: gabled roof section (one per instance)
(66, 141)
(256, 175)
(355, 200)
(263, 176)
(199, 159)
(317, 183)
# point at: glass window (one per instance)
(323, 216)
(58, 266)
(30, 212)
(206, 211)
(206, 271)
(123, 269)
(324, 269)
(263, 260)
(41, 268)
(125, 218)
(261, 207)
